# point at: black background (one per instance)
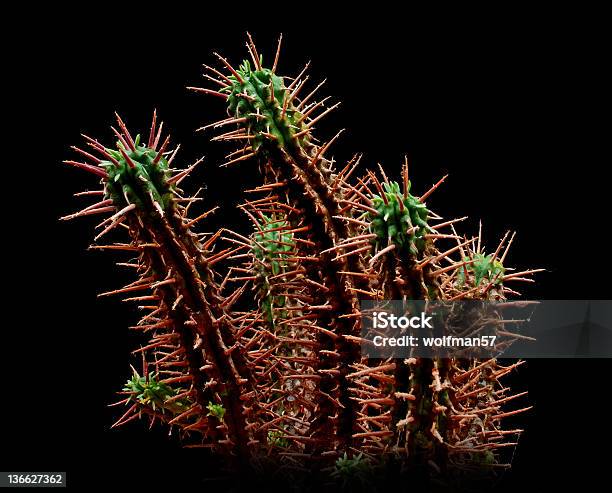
(506, 102)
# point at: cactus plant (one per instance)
(254, 340)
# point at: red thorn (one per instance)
(230, 68)
(94, 142)
(208, 91)
(86, 154)
(100, 148)
(126, 132)
(278, 48)
(162, 149)
(120, 137)
(254, 51)
(152, 132)
(88, 167)
(127, 158)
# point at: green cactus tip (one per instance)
(216, 410)
(277, 438)
(483, 267)
(137, 171)
(354, 471)
(149, 391)
(260, 96)
(401, 219)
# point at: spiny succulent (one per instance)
(259, 341)
(188, 321)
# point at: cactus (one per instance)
(254, 345)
